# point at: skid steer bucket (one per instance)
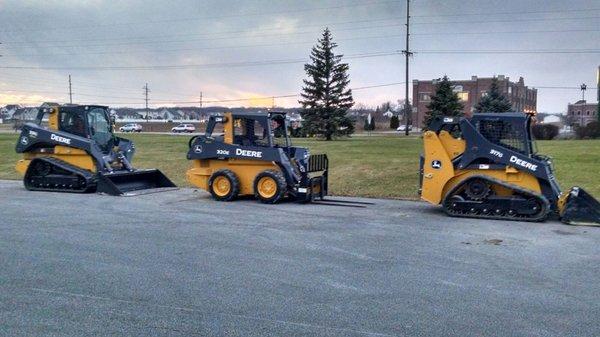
(133, 182)
(580, 208)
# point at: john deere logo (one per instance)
(24, 140)
(436, 164)
(198, 149)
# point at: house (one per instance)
(166, 114)
(388, 113)
(470, 92)
(552, 119)
(581, 113)
(8, 111)
(49, 105)
(128, 114)
(25, 114)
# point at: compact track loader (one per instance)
(254, 157)
(78, 152)
(486, 166)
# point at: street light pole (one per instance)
(407, 54)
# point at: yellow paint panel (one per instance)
(53, 119)
(438, 182)
(75, 157)
(454, 147)
(434, 179)
(246, 170)
(228, 129)
(521, 179)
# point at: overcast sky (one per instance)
(224, 48)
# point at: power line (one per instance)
(179, 19)
(515, 51)
(198, 66)
(506, 20)
(245, 98)
(235, 33)
(509, 13)
(162, 51)
(291, 61)
(236, 36)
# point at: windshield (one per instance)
(279, 130)
(99, 125)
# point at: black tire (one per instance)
(234, 183)
(280, 185)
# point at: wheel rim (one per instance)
(221, 186)
(267, 187)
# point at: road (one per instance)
(179, 264)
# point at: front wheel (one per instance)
(224, 185)
(270, 186)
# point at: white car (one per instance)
(131, 127)
(184, 128)
(403, 128)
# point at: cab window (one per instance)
(99, 126)
(72, 122)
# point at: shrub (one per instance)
(592, 130)
(545, 131)
(394, 122)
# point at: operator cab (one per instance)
(511, 130)
(87, 121)
(266, 129)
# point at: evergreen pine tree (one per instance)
(444, 102)
(367, 126)
(326, 97)
(494, 101)
(394, 122)
(372, 126)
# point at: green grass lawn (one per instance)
(378, 166)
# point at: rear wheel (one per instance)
(270, 186)
(223, 185)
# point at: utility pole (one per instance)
(273, 102)
(200, 99)
(146, 94)
(407, 53)
(70, 91)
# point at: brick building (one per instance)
(582, 113)
(470, 92)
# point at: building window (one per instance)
(578, 113)
(509, 90)
(484, 93)
(424, 97)
(457, 88)
(588, 112)
(463, 96)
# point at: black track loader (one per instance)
(78, 152)
(487, 166)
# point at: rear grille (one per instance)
(318, 162)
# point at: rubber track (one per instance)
(542, 215)
(88, 176)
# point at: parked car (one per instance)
(184, 128)
(131, 127)
(403, 128)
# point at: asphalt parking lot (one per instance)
(179, 264)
